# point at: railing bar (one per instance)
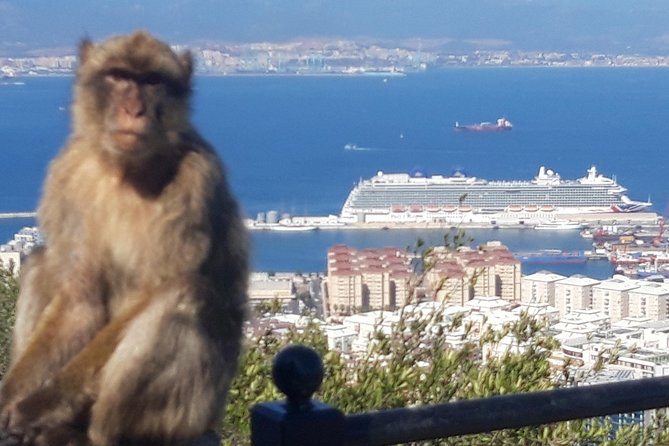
(509, 411)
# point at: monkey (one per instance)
(129, 319)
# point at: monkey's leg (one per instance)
(37, 366)
(65, 326)
(166, 382)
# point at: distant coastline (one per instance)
(344, 58)
(262, 74)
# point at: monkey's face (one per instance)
(133, 116)
(132, 96)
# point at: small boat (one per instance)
(558, 226)
(292, 228)
(502, 124)
(626, 259)
(354, 147)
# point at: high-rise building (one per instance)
(457, 276)
(447, 282)
(362, 280)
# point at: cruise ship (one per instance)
(397, 197)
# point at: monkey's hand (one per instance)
(11, 433)
(39, 418)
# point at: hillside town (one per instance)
(342, 57)
(620, 320)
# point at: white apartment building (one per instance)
(580, 324)
(264, 287)
(487, 304)
(649, 300)
(574, 293)
(11, 259)
(539, 287)
(542, 311)
(367, 323)
(646, 362)
(642, 346)
(340, 338)
(611, 297)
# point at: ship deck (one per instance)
(610, 218)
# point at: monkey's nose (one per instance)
(134, 108)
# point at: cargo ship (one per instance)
(403, 197)
(551, 256)
(502, 124)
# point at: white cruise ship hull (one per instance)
(459, 198)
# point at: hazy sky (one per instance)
(571, 25)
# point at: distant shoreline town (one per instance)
(341, 57)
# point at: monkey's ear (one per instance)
(85, 48)
(186, 61)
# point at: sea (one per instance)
(283, 141)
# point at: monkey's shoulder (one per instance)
(201, 171)
(201, 161)
(74, 162)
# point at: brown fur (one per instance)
(129, 320)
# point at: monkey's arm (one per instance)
(52, 343)
(59, 309)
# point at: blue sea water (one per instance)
(283, 139)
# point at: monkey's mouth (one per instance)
(127, 140)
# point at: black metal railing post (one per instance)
(299, 421)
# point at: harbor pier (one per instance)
(10, 215)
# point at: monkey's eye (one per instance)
(118, 75)
(152, 79)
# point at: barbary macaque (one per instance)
(129, 319)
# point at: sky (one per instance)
(611, 26)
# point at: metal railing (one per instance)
(300, 421)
